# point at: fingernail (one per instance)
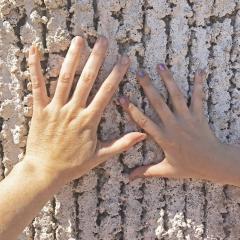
(162, 67)
(124, 60)
(77, 40)
(142, 137)
(123, 100)
(32, 50)
(103, 40)
(132, 70)
(201, 72)
(141, 73)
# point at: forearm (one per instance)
(23, 193)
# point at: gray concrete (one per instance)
(187, 34)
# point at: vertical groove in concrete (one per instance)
(130, 42)
(178, 60)
(82, 15)
(2, 168)
(198, 57)
(140, 60)
(232, 194)
(219, 109)
(155, 34)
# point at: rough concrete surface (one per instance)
(186, 34)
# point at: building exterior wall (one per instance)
(186, 34)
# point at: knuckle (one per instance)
(120, 69)
(88, 76)
(65, 78)
(161, 108)
(143, 122)
(35, 83)
(145, 83)
(32, 62)
(176, 93)
(109, 87)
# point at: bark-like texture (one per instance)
(186, 34)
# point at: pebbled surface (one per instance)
(186, 34)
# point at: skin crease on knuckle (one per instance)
(88, 76)
(65, 78)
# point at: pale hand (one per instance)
(190, 147)
(62, 139)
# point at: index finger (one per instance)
(109, 86)
(40, 98)
(142, 120)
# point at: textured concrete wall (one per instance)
(187, 34)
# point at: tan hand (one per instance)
(191, 149)
(62, 138)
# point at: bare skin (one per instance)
(191, 149)
(62, 144)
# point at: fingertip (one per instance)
(201, 72)
(140, 73)
(142, 77)
(103, 41)
(32, 50)
(142, 136)
(124, 60)
(161, 67)
(124, 101)
(78, 40)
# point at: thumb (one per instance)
(162, 169)
(109, 149)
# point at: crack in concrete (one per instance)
(95, 15)
(76, 195)
(1, 150)
(69, 18)
(140, 60)
(44, 63)
(225, 215)
(204, 191)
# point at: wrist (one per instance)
(230, 164)
(32, 169)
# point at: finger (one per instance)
(176, 95)
(107, 150)
(90, 72)
(40, 98)
(155, 98)
(198, 94)
(68, 70)
(141, 120)
(109, 86)
(162, 169)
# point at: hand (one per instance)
(191, 149)
(62, 139)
